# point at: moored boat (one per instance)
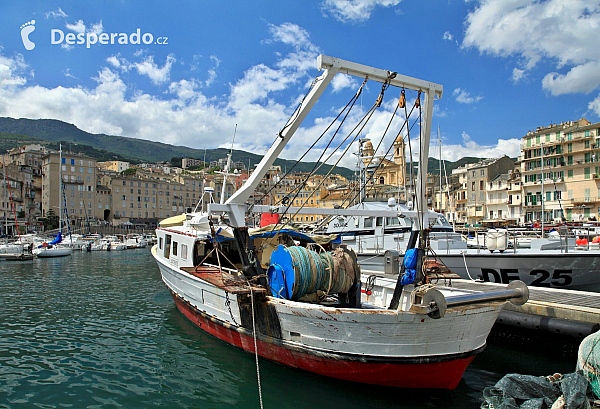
(309, 313)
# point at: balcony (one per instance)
(582, 200)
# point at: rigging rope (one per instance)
(366, 187)
(366, 118)
(348, 106)
(297, 110)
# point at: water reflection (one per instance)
(100, 330)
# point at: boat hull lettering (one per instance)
(542, 278)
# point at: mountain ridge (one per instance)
(111, 147)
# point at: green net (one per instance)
(588, 361)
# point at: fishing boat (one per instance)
(307, 311)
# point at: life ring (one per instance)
(44, 244)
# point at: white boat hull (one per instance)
(46, 252)
(576, 270)
(378, 346)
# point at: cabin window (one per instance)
(160, 243)
(368, 222)
(184, 251)
(167, 251)
(175, 245)
(392, 221)
(379, 221)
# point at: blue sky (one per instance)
(507, 67)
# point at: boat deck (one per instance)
(551, 309)
(224, 280)
(574, 305)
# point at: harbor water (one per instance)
(100, 330)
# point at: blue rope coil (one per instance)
(296, 271)
(309, 269)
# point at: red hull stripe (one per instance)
(440, 375)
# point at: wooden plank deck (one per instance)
(224, 280)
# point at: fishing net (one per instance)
(588, 361)
(538, 392)
(571, 391)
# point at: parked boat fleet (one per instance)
(37, 245)
(568, 257)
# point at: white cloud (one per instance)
(56, 14)
(465, 97)
(212, 73)
(518, 75)
(78, 27)
(353, 11)
(447, 36)
(97, 28)
(11, 73)
(342, 81)
(564, 33)
(578, 79)
(468, 147)
(68, 74)
(595, 105)
(114, 61)
(184, 89)
(156, 74)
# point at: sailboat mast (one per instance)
(5, 198)
(440, 166)
(60, 188)
(227, 165)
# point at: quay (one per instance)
(571, 313)
(563, 312)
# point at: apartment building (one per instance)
(515, 196)
(147, 198)
(561, 172)
(114, 165)
(470, 194)
(23, 168)
(78, 193)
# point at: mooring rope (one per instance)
(255, 348)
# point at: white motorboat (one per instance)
(135, 241)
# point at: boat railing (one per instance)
(563, 238)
